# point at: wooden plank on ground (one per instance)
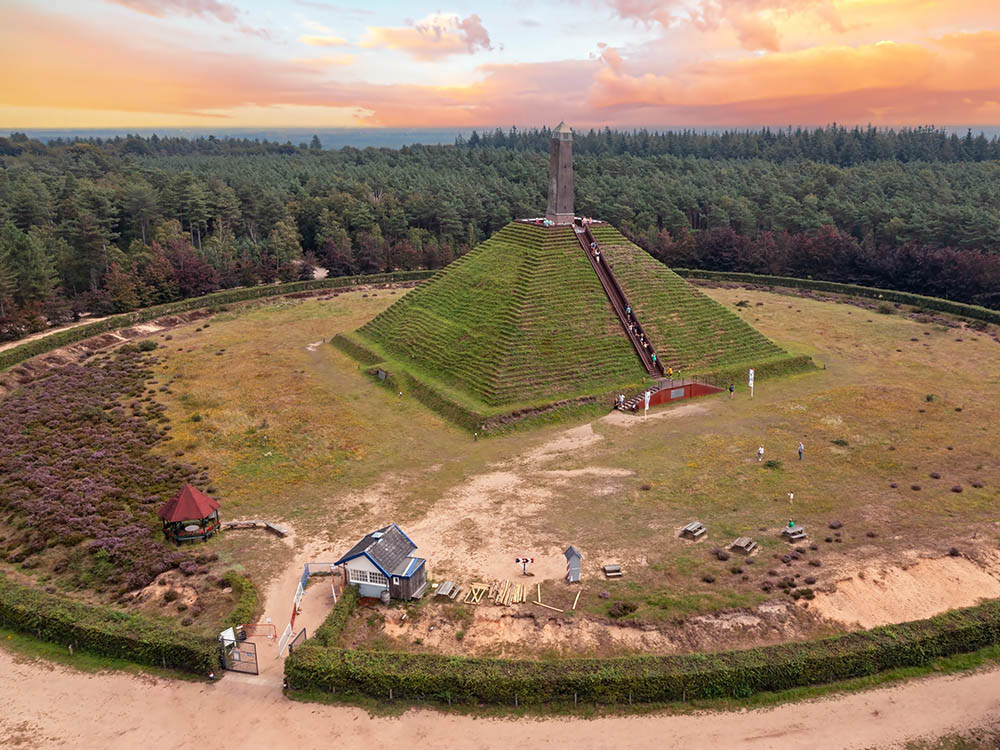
(577, 598)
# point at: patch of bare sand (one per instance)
(477, 528)
(55, 706)
(568, 441)
(624, 419)
(527, 631)
(881, 594)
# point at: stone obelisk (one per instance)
(560, 208)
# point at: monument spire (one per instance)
(560, 207)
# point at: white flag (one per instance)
(751, 377)
(647, 399)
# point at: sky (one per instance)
(381, 63)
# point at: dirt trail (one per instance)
(51, 706)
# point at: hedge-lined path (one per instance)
(276, 601)
(49, 705)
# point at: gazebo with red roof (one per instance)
(190, 515)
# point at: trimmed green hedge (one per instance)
(333, 626)
(247, 599)
(30, 349)
(105, 631)
(643, 678)
(906, 298)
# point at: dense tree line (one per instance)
(831, 145)
(105, 226)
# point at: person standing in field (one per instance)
(801, 448)
(732, 390)
(760, 454)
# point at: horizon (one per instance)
(380, 137)
(307, 64)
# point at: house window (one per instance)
(366, 576)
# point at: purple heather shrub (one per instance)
(75, 466)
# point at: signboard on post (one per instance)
(751, 382)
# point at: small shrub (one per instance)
(772, 463)
(182, 607)
(836, 524)
(956, 488)
(766, 586)
(934, 475)
(841, 442)
(929, 397)
(894, 485)
(915, 487)
(953, 552)
(743, 303)
(736, 570)
(977, 484)
(885, 308)
(810, 580)
(722, 554)
(171, 595)
(147, 345)
(815, 563)
(708, 578)
(871, 534)
(621, 609)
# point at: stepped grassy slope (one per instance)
(689, 330)
(521, 323)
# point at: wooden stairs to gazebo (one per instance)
(618, 301)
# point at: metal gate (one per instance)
(300, 638)
(240, 656)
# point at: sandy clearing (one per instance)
(49, 706)
(623, 419)
(528, 630)
(477, 527)
(880, 594)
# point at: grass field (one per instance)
(292, 430)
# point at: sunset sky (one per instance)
(624, 63)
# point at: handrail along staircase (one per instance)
(617, 299)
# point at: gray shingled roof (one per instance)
(391, 549)
(387, 546)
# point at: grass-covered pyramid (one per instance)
(521, 325)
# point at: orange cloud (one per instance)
(434, 37)
(314, 40)
(949, 80)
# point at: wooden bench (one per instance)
(694, 530)
(794, 533)
(743, 544)
(445, 589)
(613, 571)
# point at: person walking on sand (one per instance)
(801, 448)
(791, 496)
(732, 390)
(760, 454)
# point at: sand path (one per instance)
(49, 706)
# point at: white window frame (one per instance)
(356, 575)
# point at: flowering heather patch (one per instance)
(76, 469)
